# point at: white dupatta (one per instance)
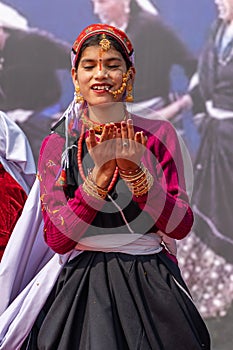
(28, 272)
(15, 153)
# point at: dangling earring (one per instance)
(78, 97)
(129, 92)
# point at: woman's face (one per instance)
(97, 74)
(225, 9)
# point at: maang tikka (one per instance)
(104, 43)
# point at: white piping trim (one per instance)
(183, 289)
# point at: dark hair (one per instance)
(94, 41)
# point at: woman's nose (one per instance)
(101, 73)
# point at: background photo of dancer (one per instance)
(183, 25)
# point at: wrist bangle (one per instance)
(90, 187)
(129, 173)
(140, 181)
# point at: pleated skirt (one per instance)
(213, 187)
(116, 301)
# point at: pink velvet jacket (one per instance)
(66, 220)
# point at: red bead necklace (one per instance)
(80, 166)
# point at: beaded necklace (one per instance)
(79, 161)
(96, 126)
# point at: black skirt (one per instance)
(118, 301)
(213, 186)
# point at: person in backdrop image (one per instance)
(17, 174)
(30, 87)
(211, 241)
(158, 50)
(113, 200)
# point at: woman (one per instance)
(158, 51)
(30, 87)
(212, 242)
(157, 48)
(216, 155)
(113, 196)
(17, 174)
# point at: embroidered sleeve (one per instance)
(65, 220)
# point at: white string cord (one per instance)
(121, 212)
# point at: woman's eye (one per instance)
(113, 66)
(88, 67)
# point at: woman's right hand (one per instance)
(103, 153)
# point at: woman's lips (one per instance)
(101, 87)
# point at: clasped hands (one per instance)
(117, 147)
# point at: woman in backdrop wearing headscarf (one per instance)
(17, 174)
(158, 49)
(211, 241)
(30, 87)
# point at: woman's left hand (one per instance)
(130, 146)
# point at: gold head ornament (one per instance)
(105, 43)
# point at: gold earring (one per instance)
(129, 92)
(78, 97)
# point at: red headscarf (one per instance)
(100, 28)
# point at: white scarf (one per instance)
(15, 153)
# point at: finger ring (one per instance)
(125, 144)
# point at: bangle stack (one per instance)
(90, 187)
(139, 181)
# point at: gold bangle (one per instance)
(132, 178)
(92, 190)
(95, 188)
(136, 178)
(138, 181)
(141, 183)
(130, 172)
(90, 178)
(145, 189)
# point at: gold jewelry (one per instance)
(105, 43)
(92, 189)
(123, 86)
(138, 181)
(90, 124)
(129, 92)
(126, 84)
(78, 97)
